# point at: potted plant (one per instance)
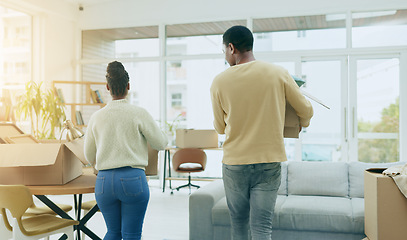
(171, 127)
(44, 110)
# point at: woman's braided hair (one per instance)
(117, 78)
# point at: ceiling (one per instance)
(85, 3)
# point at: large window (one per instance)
(361, 87)
(15, 50)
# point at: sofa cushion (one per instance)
(220, 212)
(358, 210)
(318, 178)
(356, 176)
(316, 213)
(282, 190)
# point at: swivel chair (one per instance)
(189, 160)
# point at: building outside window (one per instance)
(176, 100)
(15, 50)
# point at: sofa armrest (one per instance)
(201, 203)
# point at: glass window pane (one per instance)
(144, 83)
(96, 46)
(144, 86)
(188, 84)
(194, 45)
(322, 139)
(127, 42)
(189, 81)
(197, 38)
(378, 109)
(378, 100)
(376, 29)
(137, 48)
(15, 48)
(378, 150)
(300, 33)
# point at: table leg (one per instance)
(53, 206)
(85, 219)
(165, 168)
(169, 167)
(78, 210)
(60, 212)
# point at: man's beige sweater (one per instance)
(248, 103)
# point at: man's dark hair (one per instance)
(117, 78)
(240, 36)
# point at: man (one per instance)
(248, 101)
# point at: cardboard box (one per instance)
(385, 207)
(40, 164)
(22, 138)
(193, 138)
(152, 167)
(50, 163)
(7, 130)
(292, 122)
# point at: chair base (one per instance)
(189, 184)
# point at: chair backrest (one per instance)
(189, 155)
(16, 198)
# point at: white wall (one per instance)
(126, 13)
(59, 49)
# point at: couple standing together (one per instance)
(248, 101)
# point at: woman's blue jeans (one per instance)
(251, 193)
(122, 195)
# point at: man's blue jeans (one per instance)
(122, 195)
(251, 192)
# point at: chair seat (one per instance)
(87, 206)
(189, 167)
(45, 223)
(34, 211)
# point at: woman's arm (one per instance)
(153, 134)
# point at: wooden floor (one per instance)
(166, 217)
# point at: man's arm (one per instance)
(218, 112)
(301, 105)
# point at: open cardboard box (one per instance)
(7, 130)
(50, 163)
(196, 138)
(292, 122)
(385, 207)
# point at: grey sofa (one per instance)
(316, 200)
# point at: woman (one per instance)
(116, 145)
